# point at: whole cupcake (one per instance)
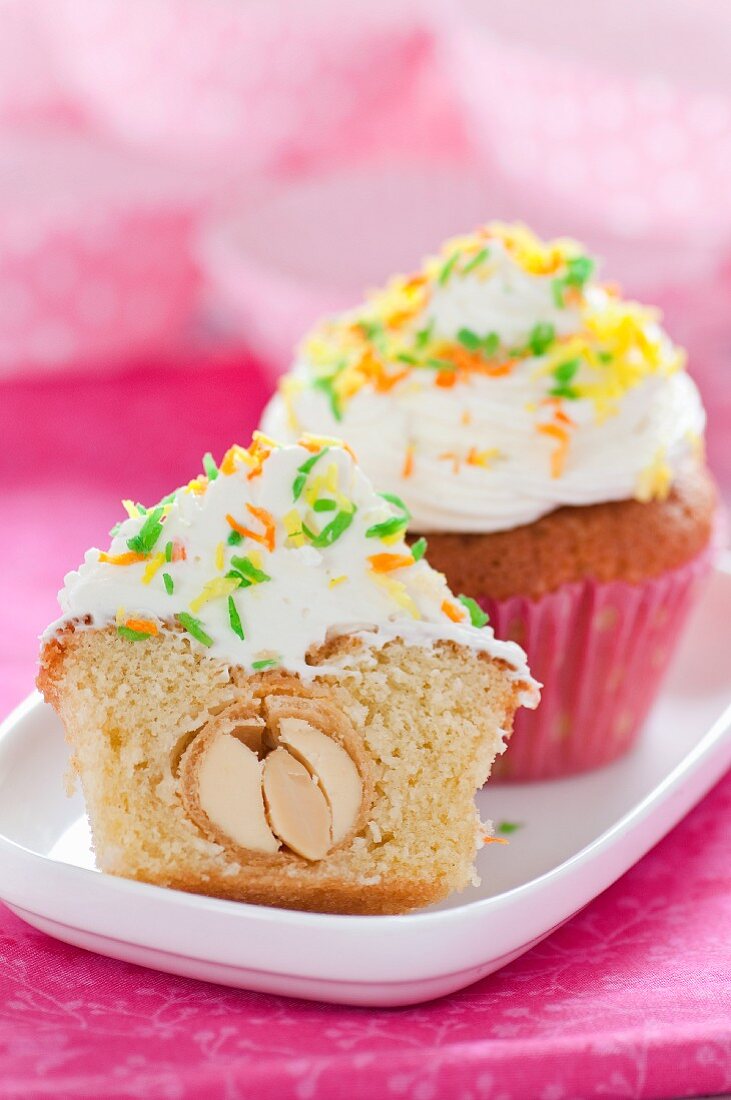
(548, 441)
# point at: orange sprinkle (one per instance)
(142, 626)
(268, 538)
(494, 840)
(386, 563)
(179, 553)
(453, 457)
(558, 456)
(384, 383)
(123, 559)
(466, 418)
(236, 526)
(497, 370)
(452, 611)
(446, 379)
(408, 467)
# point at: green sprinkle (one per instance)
(405, 357)
(557, 289)
(132, 635)
(387, 528)
(478, 617)
(324, 505)
(168, 551)
(246, 568)
(141, 508)
(541, 337)
(469, 339)
(371, 329)
(605, 356)
(234, 619)
(115, 530)
(440, 364)
(398, 503)
(333, 531)
(579, 271)
(491, 344)
(194, 627)
(419, 549)
(508, 827)
(476, 261)
(565, 372)
(148, 534)
(448, 268)
(565, 391)
(326, 385)
(423, 336)
(169, 586)
(272, 662)
(234, 538)
(303, 471)
(209, 466)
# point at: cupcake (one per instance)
(547, 439)
(270, 697)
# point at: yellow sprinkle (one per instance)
(213, 590)
(336, 580)
(121, 616)
(398, 593)
(255, 557)
(220, 561)
(152, 567)
(131, 509)
(293, 526)
(265, 440)
(197, 486)
(655, 480)
(331, 478)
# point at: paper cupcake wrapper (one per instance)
(600, 650)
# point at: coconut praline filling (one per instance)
(501, 381)
(263, 558)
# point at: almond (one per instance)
(329, 763)
(297, 808)
(229, 785)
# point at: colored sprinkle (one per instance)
(333, 531)
(324, 505)
(408, 467)
(334, 581)
(482, 458)
(293, 526)
(476, 261)
(448, 268)
(466, 418)
(234, 618)
(469, 339)
(452, 611)
(194, 628)
(419, 549)
(234, 538)
(214, 590)
(386, 563)
(169, 586)
(132, 635)
(219, 559)
(388, 528)
(494, 840)
(271, 662)
(142, 626)
(478, 617)
(149, 532)
(508, 827)
(209, 466)
(248, 570)
(129, 558)
(301, 480)
(541, 338)
(168, 551)
(397, 592)
(558, 456)
(152, 567)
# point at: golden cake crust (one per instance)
(621, 540)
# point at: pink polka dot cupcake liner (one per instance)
(601, 651)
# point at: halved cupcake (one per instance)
(270, 697)
(545, 436)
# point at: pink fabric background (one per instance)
(631, 998)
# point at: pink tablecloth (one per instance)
(632, 998)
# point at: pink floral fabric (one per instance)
(632, 998)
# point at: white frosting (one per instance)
(283, 617)
(658, 419)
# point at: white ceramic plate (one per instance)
(576, 837)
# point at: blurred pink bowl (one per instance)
(264, 82)
(95, 263)
(624, 118)
(278, 265)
